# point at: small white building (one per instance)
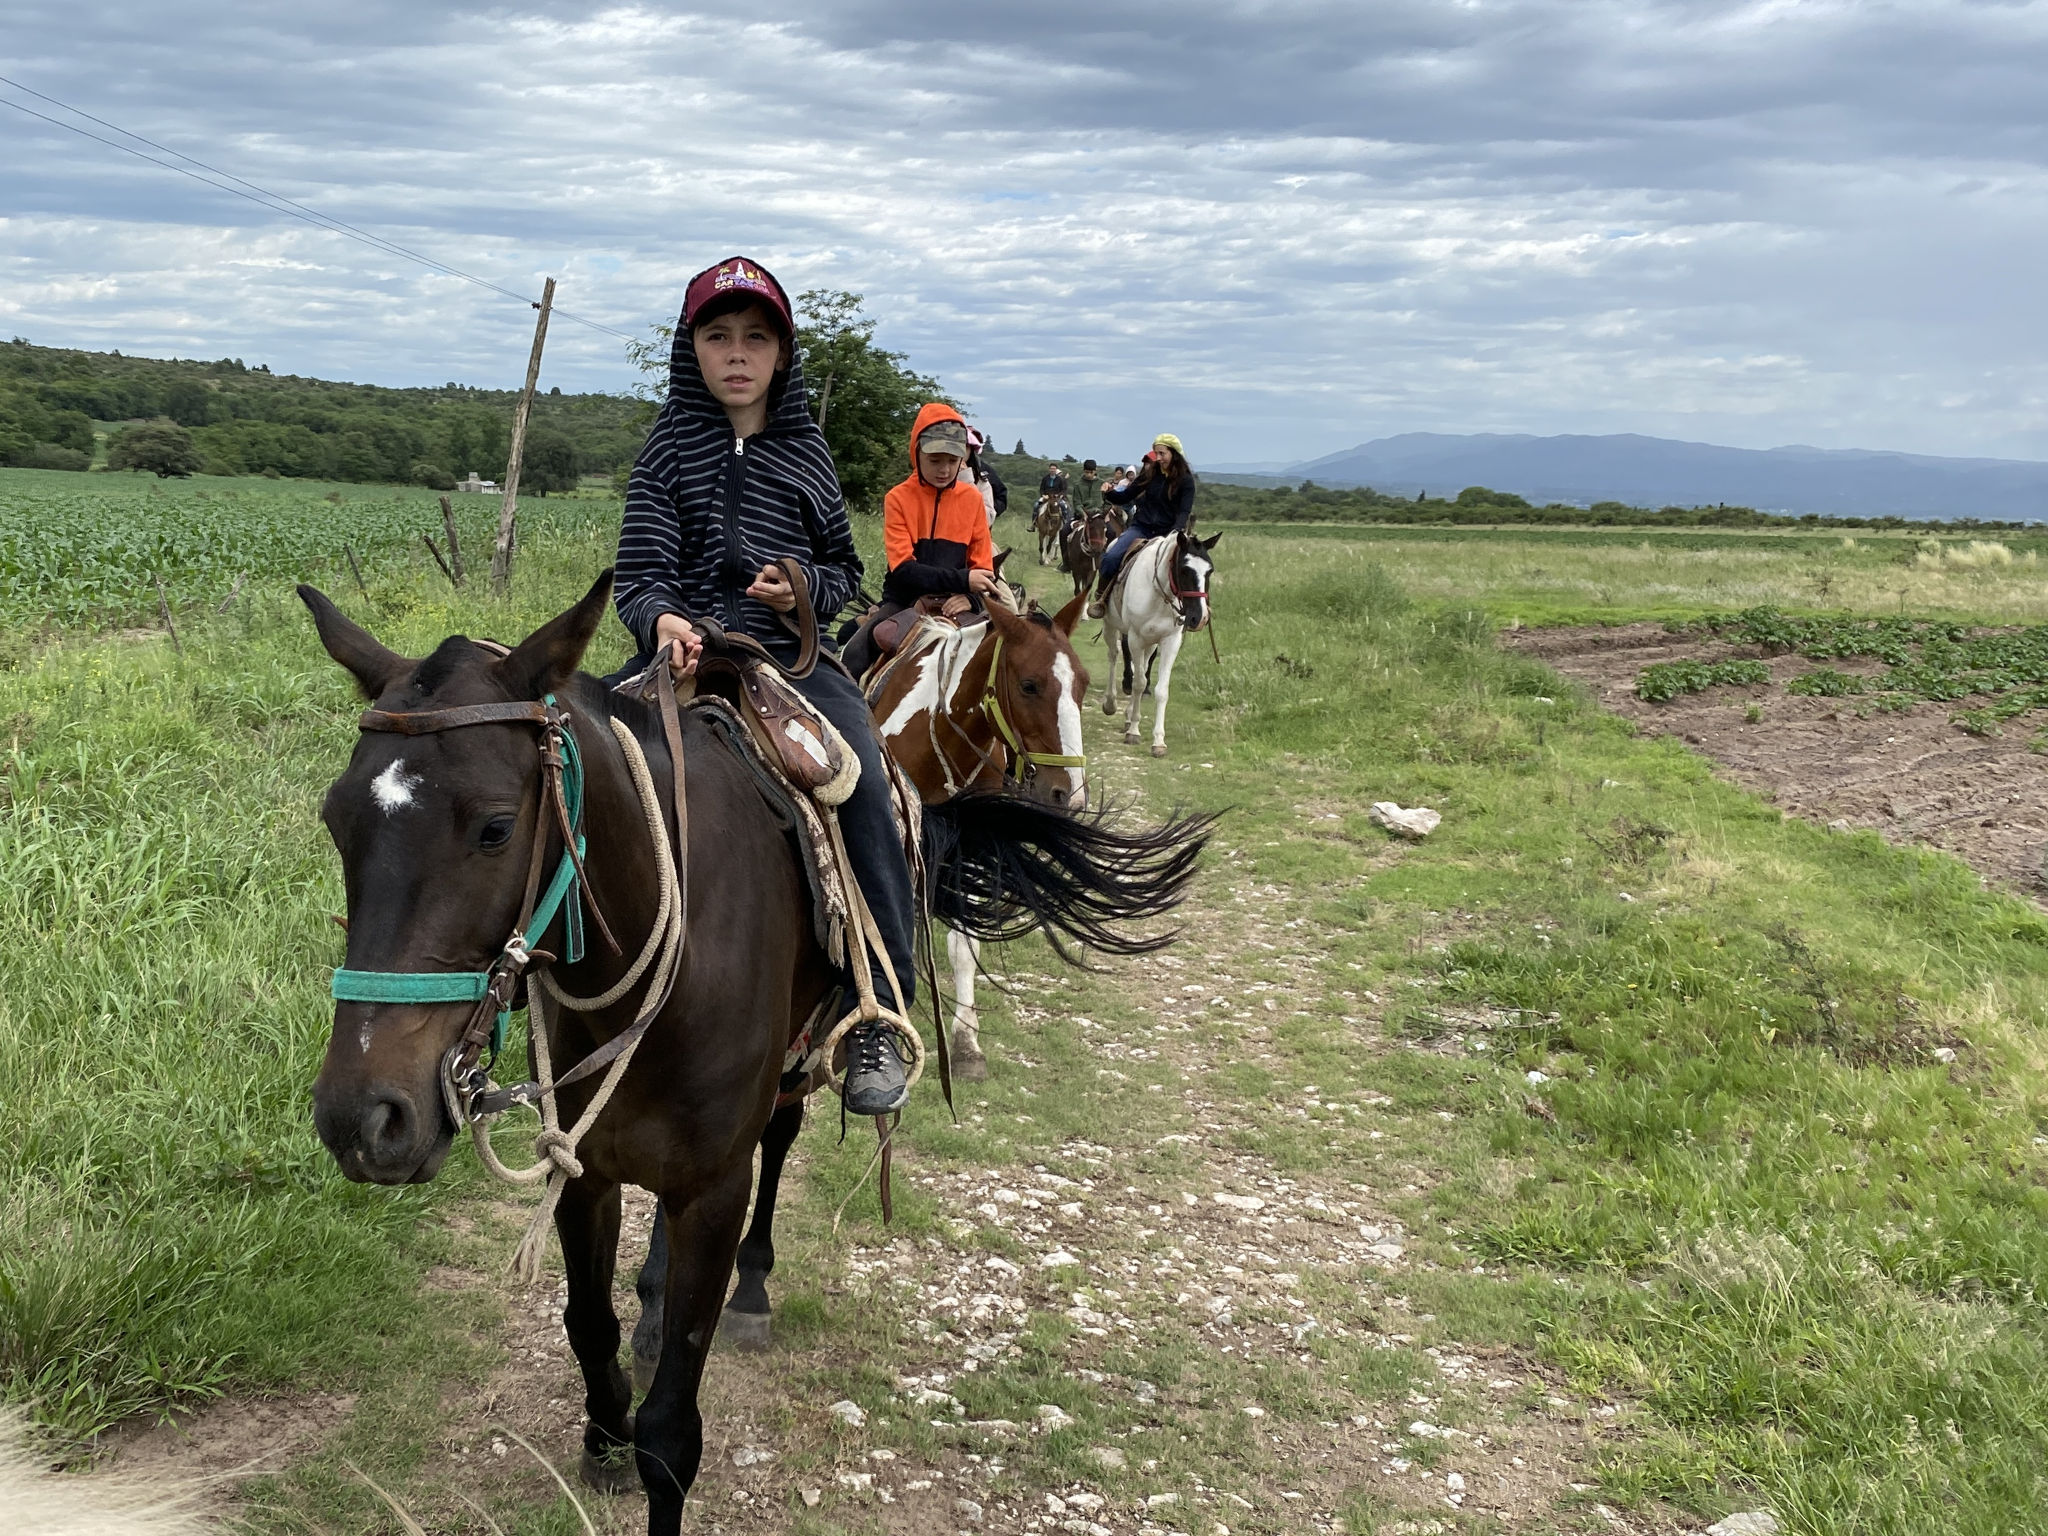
(475, 486)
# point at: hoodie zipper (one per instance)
(735, 491)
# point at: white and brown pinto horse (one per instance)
(983, 708)
(1162, 594)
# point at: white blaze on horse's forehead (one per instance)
(394, 786)
(1069, 711)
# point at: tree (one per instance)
(162, 447)
(548, 464)
(862, 396)
(188, 403)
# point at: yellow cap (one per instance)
(1168, 440)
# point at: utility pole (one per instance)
(501, 556)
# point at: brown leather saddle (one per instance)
(747, 675)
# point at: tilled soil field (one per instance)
(1914, 777)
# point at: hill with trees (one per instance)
(235, 419)
(179, 417)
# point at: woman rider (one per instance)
(734, 477)
(1161, 499)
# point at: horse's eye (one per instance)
(497, 832)
(1029, 685)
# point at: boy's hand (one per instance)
(981, 582)
(688, 644)
(773, 588)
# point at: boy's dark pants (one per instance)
(865, 820)
(869, 826)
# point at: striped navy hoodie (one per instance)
(705, 510)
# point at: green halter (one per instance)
(993, 708)
(473, 986)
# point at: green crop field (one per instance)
(88, 549)
(1703, 1149)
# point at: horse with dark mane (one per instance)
(985, 719)
(478, 770)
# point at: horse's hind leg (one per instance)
(587, 1221)
(964, 951)
(746, 1320)
(1114, 637)
(650, 1285)
(668, 1432)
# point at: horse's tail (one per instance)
(1003, 866)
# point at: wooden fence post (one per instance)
(454, 549)
(501, 556)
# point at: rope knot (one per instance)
(559, 1148)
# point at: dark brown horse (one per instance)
(435, 823)
(1081, 547)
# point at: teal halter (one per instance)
(564, 894)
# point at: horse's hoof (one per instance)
(614, 1472)
(744, 1330)
(1159, 749)
(1130, 738)
(643, 1372)
(969, 1065)
(1109, 705)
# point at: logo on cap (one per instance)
(737, 275)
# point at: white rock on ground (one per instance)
(849, 1412)
(1755, 1522)
(1417, 821)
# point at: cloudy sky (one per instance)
(1278, 228)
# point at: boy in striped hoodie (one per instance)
(734, 477)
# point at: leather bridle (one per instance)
(465, 1069)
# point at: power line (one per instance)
(273, 202)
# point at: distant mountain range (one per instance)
(1657, 471)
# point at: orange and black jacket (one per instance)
(932, 537)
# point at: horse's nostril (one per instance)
(388, 1126)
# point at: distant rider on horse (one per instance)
(934, 531)
(734, 477)
(1161, 499)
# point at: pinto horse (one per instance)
(1161, 594)
(986, 723)
(443, 812)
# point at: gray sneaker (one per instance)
(875, 1083)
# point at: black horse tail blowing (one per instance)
(1002, 866)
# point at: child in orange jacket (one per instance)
(934, 529)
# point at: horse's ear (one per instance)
(1065, 620)
(1210, 542)
(373, 665)
(1009, 624)
(547, 658)
(997, 565)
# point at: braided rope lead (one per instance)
(868, 1010)
(554, 1148)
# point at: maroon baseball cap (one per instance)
(737, 276)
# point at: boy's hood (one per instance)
(789, 407)
(931, 411)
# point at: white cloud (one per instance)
(1276, 227)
